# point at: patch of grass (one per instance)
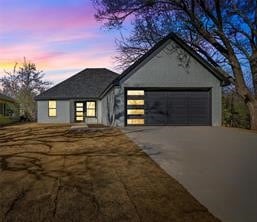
(50, 173)
(6, 120)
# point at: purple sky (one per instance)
(60, 36)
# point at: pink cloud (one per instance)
(40, 50)
(71, 36)
(99, 56)
(54, 38)
(47, 19)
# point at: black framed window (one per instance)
(84, 109)
(52, 108)
(79, 109)
(135, 107)
(91, 109)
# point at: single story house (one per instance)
(170, 85)
(8, 109)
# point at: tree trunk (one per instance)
(252, 106)
(253, 66)
(241, 88)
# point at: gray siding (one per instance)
(63, 112)
(172, 67)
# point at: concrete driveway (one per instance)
(217, 165)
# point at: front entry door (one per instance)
(80, 112)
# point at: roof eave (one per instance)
(65, 98)
(8, 99)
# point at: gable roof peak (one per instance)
(221, 75)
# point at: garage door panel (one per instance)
(177, 107)
(199, 108)
(155, 108)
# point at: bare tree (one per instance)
(223, 31)
(23, 84)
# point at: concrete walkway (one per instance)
(217, 165)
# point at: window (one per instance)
(91, 109)
(135, 92)
(135, 107)
(79, 109)
(52, 108)
(79, 112)
(136, 112)
(136, 102)
(79, 118)
(135, 121)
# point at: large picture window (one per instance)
(52, 110)
(135, 107)
(91, 109)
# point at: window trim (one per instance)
(52, 108)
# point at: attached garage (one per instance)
(184, 107)
(168, 107)
(171, 85)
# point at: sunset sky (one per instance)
(60, 36)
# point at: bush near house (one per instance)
(6, 120)
(235, 112)
(9, 112)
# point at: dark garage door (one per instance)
(177, 108)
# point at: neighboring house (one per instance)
(8, 109)
(170, 85)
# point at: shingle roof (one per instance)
(87, 84)
(6, 98)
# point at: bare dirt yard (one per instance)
(50, 173)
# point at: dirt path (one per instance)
(49, 173)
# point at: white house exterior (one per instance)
(170, 85)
